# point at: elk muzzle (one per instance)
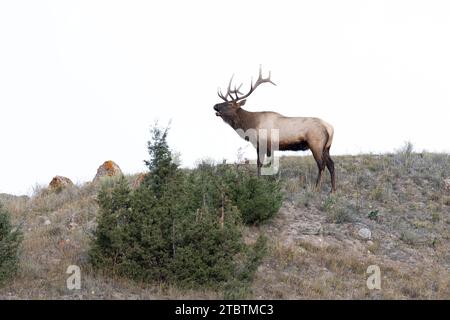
(216, 108)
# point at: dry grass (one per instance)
(316, 252)
(306, 271)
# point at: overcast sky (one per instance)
(82, 81)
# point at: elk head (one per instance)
(234, 99)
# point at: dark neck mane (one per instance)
(245, 120)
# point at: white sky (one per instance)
(82, 81)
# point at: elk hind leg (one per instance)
(318, 156)
(330, 165)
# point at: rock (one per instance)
(47, 222)
(58, 183)
(42, 219)
(365, 233)
(107, 169)
(140, 178)
(447, 184)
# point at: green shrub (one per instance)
(161, 163)
(180, 227)
(162, 240)
(374, 215)
(205, 249)
(257, 198)
(239, 286)
(329, 203)
(10, 240)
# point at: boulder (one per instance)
(365, 233)
(138, 181)
(58, 183)
(42, 219)
(107, 169)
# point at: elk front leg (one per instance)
(259, 161)
(269, 156)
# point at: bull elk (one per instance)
(294, 133)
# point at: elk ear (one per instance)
(241, 103)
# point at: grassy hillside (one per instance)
(317, 253)
(314, 247)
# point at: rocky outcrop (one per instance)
(138, 181)
(107, 169)
(58, 183)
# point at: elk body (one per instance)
(294, 133)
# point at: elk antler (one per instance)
(260, 80)
(224, 97)
(236, 91)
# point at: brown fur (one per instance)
(296, 133)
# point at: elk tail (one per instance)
(330, 132)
